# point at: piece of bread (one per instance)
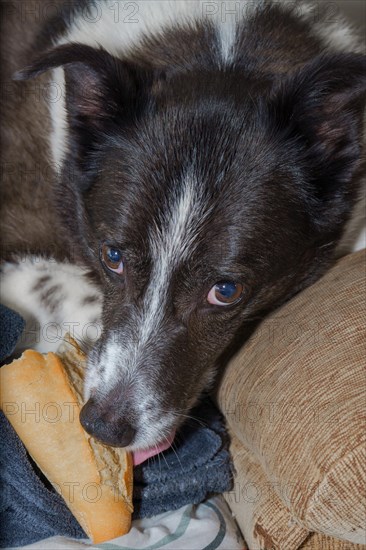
(41, 397)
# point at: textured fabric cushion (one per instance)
(317, 541)
(295, 397)
(265, 521)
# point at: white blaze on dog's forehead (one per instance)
(57, 108)
(170, 244)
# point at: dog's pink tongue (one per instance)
(141, 456)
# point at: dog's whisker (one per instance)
(177, 455)
(176, 413)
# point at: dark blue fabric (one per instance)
(197, 466)
(29, 510)
(11, 327)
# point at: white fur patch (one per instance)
(58, 135)
(169, 247)
(119, 26)
(52, 298)
(226, 15)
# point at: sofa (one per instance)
(294, 398)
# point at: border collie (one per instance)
(192, 166)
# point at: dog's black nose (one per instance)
(104, 426)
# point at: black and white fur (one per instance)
(208, 141)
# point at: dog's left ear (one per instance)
(319, 108)
(102, 91)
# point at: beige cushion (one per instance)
(295, 397)
(264, 520)
(317, 541)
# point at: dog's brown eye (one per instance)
(112, 258)
(225, 293)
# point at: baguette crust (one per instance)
(43, 408)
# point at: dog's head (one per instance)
(203, 199)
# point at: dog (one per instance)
(207, 161)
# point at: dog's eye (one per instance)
(112, 258)
(225, 293)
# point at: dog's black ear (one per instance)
(320, 109)
(102, 91)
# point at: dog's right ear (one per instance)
(101, 92)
